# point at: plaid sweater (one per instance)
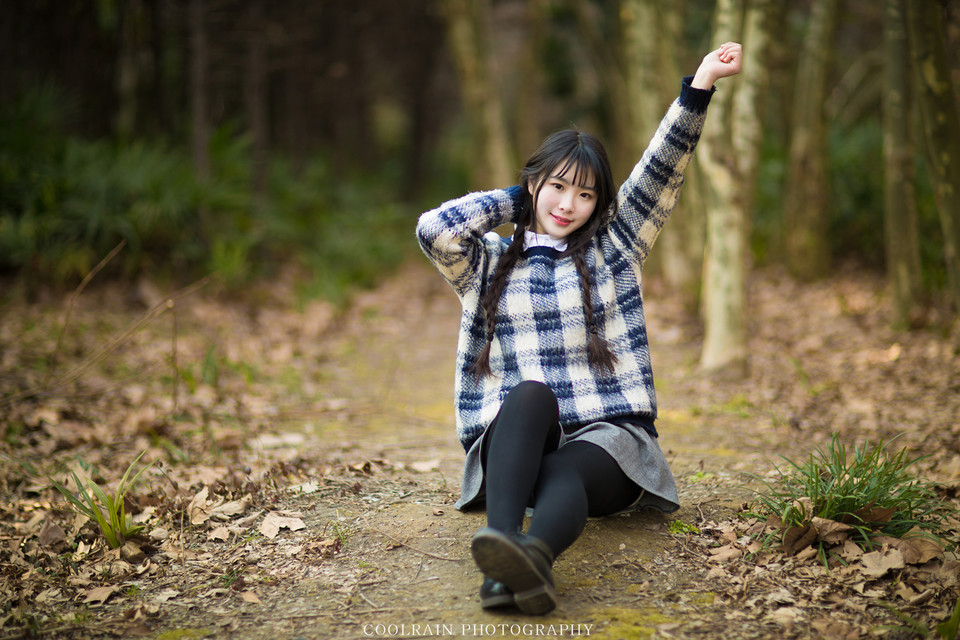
(541, 331)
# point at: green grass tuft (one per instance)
(871, 489)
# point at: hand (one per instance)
(719, 63)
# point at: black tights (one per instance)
(522, 464)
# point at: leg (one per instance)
(526, 428)
(578, 480)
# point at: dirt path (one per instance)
(404, 568)
(358, 446)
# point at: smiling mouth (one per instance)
(561, 221)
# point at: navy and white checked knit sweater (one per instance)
(541, 331)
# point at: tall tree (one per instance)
(255, 96)
(651, 37)
(729, 155)
(199, 68)
(469, 40)
(937, 102)
(806, 202)
(529, 104)
(900, 210)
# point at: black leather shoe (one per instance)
(522, 564)
(495, 595)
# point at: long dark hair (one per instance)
(558, 155)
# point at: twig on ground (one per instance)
(173, 361)
(368, 600)
(116, 343)
(700, 511)
(72, 301)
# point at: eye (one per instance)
(557, 185)
(586, 195)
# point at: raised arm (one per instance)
(452, 235)
(648, 196)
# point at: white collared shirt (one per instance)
(532, 239)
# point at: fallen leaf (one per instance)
(872, 514)
(250, 596)
(199, 508)
(425, 466)
(831, 531)
(915, 550)
(141, 611)
(51, 534)
(807, 554)
(165, 595)
(273, 522)
(220, 533)
(851, 551)
(877, 563)
(99, 594)
(232, 508)
(725, 553)
(796, 539)
(48, 595)
(306, 487)
(438, 512)
(784, 615)
(325, 548)
(132, 553)
(831, 629)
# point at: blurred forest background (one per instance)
(249, 138)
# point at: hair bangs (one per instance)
(586, 167)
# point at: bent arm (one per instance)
(451, 235)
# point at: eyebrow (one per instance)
(560, 178)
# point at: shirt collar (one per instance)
(532, 239)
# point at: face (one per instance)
(563, 207)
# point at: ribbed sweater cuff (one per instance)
(695, 99)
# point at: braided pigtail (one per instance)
(598, 349)
(491, 299)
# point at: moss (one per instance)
(183, 634)
(631, 624)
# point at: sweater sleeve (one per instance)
(452, 235)
(646, 199)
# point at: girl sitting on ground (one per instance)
(554, 391)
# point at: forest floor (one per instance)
(304, 469)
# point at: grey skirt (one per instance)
(633, 447)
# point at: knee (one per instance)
(532, 392)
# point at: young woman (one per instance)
(554, 391)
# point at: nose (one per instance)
(566, 203)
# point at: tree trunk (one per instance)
(468, 38)
(529, 134)
(807, 193)
(198, 89)
(607, 56)
(642, 79)
(255, 96)
(729, 155)
(937, 101)
(128, 68)
(900, 210)
(680, 247)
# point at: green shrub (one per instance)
(65, 202)
(871, 490)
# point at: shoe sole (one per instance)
(497, 602)
(504, 560)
